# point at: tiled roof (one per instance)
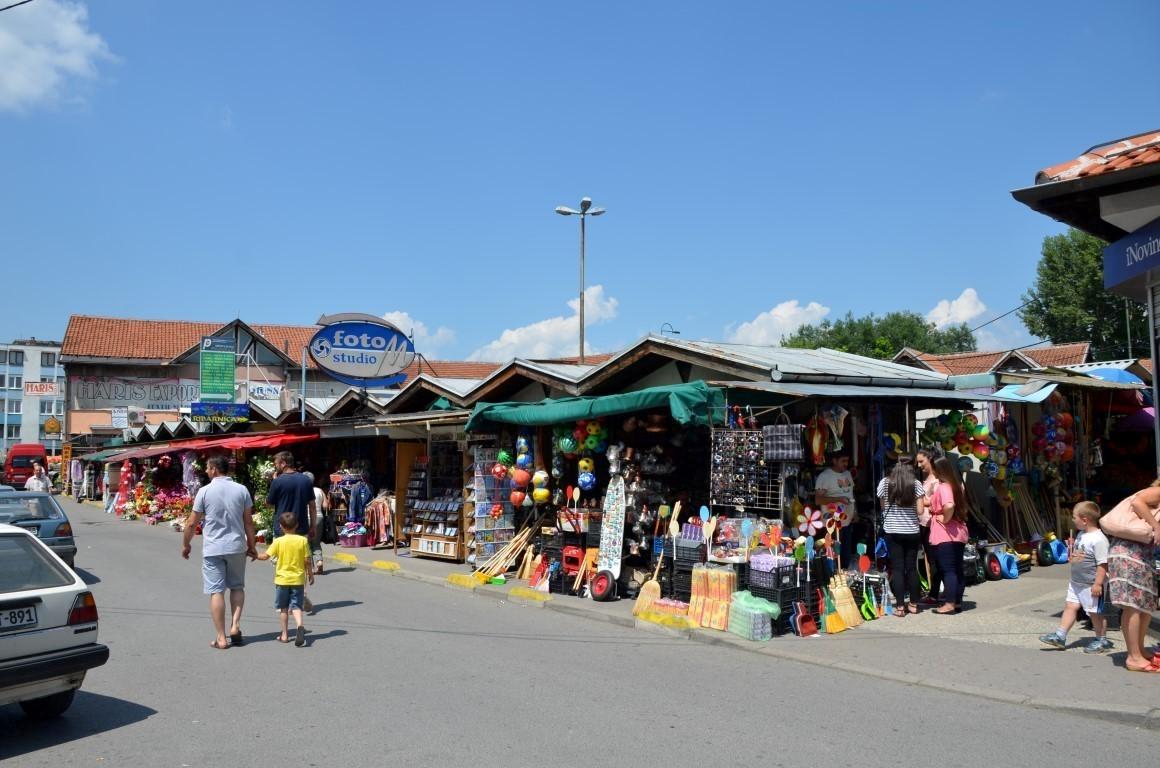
(1147, 363)
(127, 339)
(964, 363)
(451, 369)
(1132, 152)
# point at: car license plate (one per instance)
(17, 618)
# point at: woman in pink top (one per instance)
(948, 533)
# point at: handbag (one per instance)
(783, 441)
(1123, 523)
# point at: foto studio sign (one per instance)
(361, 350)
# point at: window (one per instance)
(15, 406)
(3, 357)
(46, 407)
(15, 382)
(13, 432)
(15, 357)
(60, 407)
(47, 359)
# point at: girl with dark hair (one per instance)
(924, 460)
(948, 533)
(901, 496)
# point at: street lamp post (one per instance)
(585, 211)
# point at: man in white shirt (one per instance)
(39, 482)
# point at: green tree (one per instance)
(882, 337)
(1068, 301)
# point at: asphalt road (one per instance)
(399, 672)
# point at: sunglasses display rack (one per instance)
(739, 474)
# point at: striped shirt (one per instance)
(899, 519)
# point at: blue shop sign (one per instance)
(362, 350)
(1129, 258)
(219, 413)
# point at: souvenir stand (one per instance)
(431, 496)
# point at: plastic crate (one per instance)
(690, 551)
(779, 578)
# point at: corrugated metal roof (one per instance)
(457, 386)
(852, 391)
(789, 363)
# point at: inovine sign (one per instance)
(361, 350)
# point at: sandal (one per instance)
(1153, 667)
(899, 613)
(236, 639)
(283, 639)
(912, 608)
(941, 612)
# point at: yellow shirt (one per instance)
(292, 552)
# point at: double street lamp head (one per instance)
(586, 209)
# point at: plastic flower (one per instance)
(840, 517)
(810, 521)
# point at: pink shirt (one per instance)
(952, 532)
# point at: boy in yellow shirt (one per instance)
(291, 572)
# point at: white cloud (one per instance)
(768, 328)
(965, 308)
(42, 45)
(554, 337)
(426, 342)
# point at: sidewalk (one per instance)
(990, 651)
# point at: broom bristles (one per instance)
(649, 593)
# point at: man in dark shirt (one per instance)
(292, 491)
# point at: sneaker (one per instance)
(1054, 639)
(1099, 645)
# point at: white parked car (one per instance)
(48, 626)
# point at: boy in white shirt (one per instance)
(1089, 574)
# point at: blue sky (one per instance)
(762, 164)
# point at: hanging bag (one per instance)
(1123, 523)
(783, 440)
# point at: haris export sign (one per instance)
(361, 350)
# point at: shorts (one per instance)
(1082, 594)
(222, 572)
(288, 597)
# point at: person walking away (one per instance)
(924, 459)
(291, 572)
(224, 508)
(948, 533)
(322, 506)
(292, 492)
(40, 482)
(901, 495)
(834, 487)
(1089, 573)
(1131, 579)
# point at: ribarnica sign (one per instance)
(361, 350)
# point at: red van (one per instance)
(18, 465)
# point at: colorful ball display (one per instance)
(521, 478)
(540, 479)
(517, 498)
(586, 465)
(505, 457)
(541, 495)
(586, 481)
(499, 471)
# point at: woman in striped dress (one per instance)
(901, 496)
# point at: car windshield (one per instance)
(24, 461)
(24, 564)
(14, 507)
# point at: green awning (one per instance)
(440, 404)
(101, 455)
(687, 404)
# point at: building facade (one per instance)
(28, 410)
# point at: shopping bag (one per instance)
(783, 441)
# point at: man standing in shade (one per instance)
(225, 510)
(293, 492)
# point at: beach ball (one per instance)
(499, 471)
(524, 460)
(569, 444)
(505, 458)
(586, 481)
(981, 451)
(540, 479)
(970, 421)
(955, 417)
(981, 432)
(990, 469)
(521, 478)
(541, 495)
(517, 498)
(587, 465)
(591, 442)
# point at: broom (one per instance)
(650, 591)
(844, 600)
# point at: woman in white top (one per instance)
(902, 496)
